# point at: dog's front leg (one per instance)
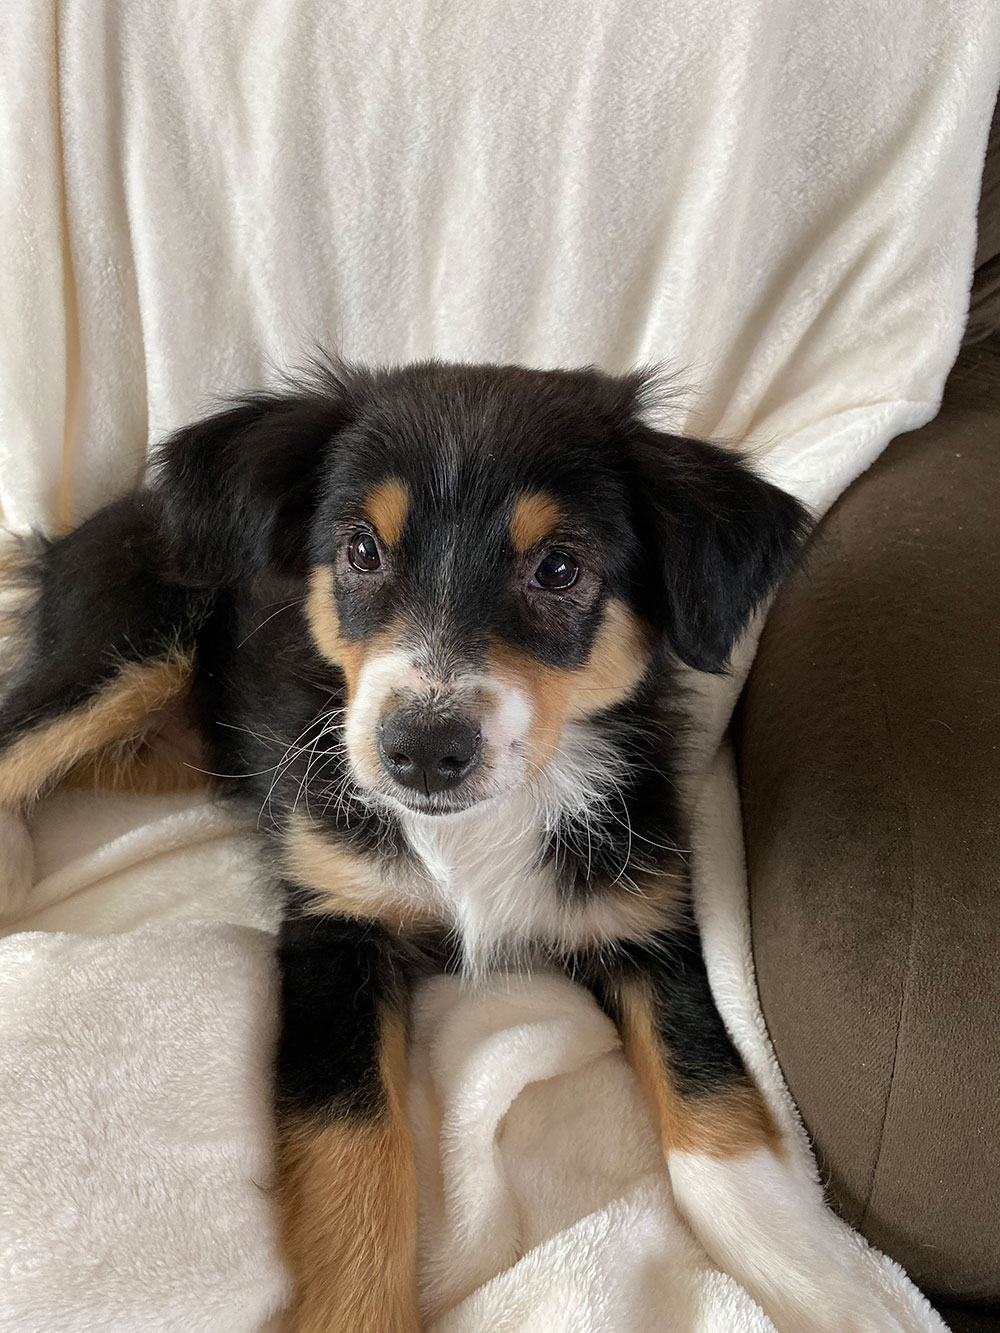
(347, 1189)
(759, 1217)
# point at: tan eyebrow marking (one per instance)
(387, 506)
(534, 516)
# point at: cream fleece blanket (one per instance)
(774, 196)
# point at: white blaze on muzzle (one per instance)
(394, 681)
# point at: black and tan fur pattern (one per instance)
(544, 558)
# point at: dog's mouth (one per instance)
(435, 806)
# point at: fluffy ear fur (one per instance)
(238, 489)
(720, 536)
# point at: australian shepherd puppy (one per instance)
(427, 624)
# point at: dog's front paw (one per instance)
(17, 863)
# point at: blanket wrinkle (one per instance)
(776, 200)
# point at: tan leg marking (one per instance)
(14, 564)
(534, 516)
(348, 1213)
(18, 593)
(42, 755)
(618, 659)
(724, 1125)
(164, 758)
(387, 506)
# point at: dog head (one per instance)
(491, 556)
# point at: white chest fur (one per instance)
(483, 875)
(489, 876)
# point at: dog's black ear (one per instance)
(721, 537)
(238, 489)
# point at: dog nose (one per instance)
(428, 756)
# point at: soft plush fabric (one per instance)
(777, 198)
(870, 759)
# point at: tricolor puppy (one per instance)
(427, 623)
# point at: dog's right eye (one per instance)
(363, 553)
(556, 572)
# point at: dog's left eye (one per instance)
(556, 571)
(363, 553)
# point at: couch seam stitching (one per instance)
(905, 982)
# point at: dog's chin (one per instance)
(438, 806)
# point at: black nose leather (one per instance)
(428, 756)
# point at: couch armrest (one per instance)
(869, 749)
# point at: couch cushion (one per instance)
(962, 1318)
(869, 746)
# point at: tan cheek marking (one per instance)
(324, 624)
(387, 506)
(533, 518)
(344, 884)
(618, 658)
(321, 612)
(43, 754)
(727, 1124)
(348, 1212)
